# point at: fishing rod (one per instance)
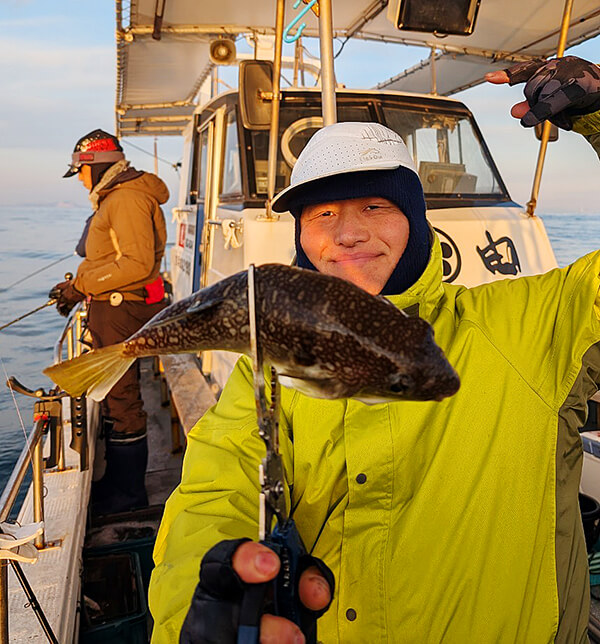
(39, 270)
(21, 317)
(50, 302)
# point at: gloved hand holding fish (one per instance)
(323, 335)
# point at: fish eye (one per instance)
(401, 384)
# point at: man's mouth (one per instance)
(355, 258)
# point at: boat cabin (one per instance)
(223, 225)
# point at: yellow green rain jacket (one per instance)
(451, 522)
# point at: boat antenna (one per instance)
(39, 270)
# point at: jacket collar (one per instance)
(427, 290)
(112, 172)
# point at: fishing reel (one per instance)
(52, 394)
(48, 408)
(54, 294)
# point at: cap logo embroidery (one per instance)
(380, 134)
(370, 154)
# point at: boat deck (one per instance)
(55, 578)
(164, 468)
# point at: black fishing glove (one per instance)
(214, 614)
(560, 90)
(66, 296)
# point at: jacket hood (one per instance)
(144, 182)
(428, 289)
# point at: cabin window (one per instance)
(297, 123)
(447, 152)
(198, 183)
(231, 179)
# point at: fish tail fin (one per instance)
(95, 372)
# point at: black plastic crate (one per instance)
(114, 608)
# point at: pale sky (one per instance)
(57, 65)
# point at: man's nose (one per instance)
(350, 230)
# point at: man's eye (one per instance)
(325, 213)
(372, 206)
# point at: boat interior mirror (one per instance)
(553, 132)
(455, 17)
(256, 93)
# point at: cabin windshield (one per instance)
(452, 160)
(297, 123)
(447, 152)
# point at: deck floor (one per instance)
(164, 467)
(55, 578)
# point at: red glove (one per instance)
(67, 296)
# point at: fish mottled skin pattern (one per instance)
(335, 337)
(219, 322)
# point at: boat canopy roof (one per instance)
(163, 60)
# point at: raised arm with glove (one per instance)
(566, 91)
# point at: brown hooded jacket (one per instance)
(126, 238)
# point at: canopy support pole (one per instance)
(156, 156)
(327, 67)
(433, 72)
(274, 130)
(298, 62)
(537, 179)
(214, 81)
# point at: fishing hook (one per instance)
(290, 39)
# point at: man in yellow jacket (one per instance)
(122, 245)
(451, 522)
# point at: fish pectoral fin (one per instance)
(203, 305)
(315, 387)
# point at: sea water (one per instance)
(33, 237)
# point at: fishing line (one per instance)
(175, 166)
(50, 302)
(12, 393)
(39, 270)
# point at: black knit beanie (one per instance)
(400, 186)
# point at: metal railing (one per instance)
(32, 453)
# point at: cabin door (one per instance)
(208, 170)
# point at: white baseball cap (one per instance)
(341, 148)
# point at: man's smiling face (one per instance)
(359, 240)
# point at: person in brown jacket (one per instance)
(123, 244)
